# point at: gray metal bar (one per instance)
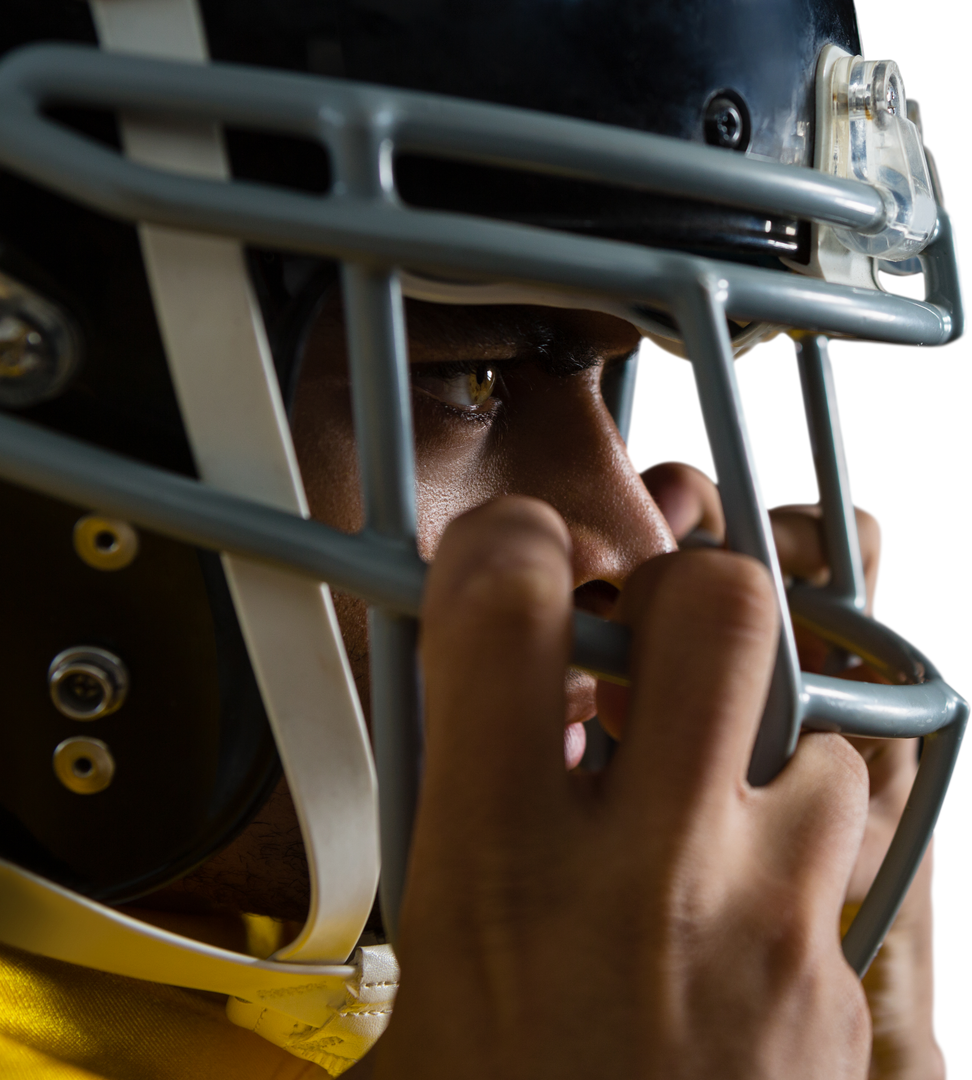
(366, 565)
(382, 406)
(383, 572)
(449, 244)
(875, 711)
(601, 647)
(650, 162)
(702, 321)
(860, 313)
(396, 735)
(883, 901)
(381, 401)
(839, 523)
(850, 629)
(378, 367)
(391, 575)
(940, 265)
(443, 244)
(618, 390)
(496, 134)
(930, 710)
(439, 243)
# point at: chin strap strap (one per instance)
(352, 1028)
(304, 999)
(231, 406)
(331, 1014)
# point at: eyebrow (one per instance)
(439, 334)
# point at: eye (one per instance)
(463, 387)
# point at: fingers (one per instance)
(869, 534)
(495, 646)
(705, 636)
(819, 805)
(891, 766)
(687, 498)
(613, 704)
(800, 544)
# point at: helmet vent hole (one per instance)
(84, 766)
(106, 541)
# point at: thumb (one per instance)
(687, 498)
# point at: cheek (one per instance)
(456, 465)
(324, 441)
(453, 473)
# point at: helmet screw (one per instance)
(87, 683)
(39, 347)
(726, 123)
(84, 766)
(887, 93)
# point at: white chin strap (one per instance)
(223, 373)
(323, 1009)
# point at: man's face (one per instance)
(506, 400)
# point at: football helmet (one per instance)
(182, 180)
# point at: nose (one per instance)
(574, 458)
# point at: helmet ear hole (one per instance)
(727, 122)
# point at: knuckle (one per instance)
(703, 595)
(838, 791)
(522, 588)
(799, 543)
(791, 964)
(507, 560)
(844, 765)
(678, 470)
(793, 953)
(674, 478)
(816, 979)
(734, 591)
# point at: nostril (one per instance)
(597, 597)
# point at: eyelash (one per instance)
(456, 369)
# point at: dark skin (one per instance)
(507, 402)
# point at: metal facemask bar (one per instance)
(362, 224)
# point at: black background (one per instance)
(905, 417)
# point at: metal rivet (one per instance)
(84, 766)
(105, 543)
(40, 346)
(726, 123)
(87, 683)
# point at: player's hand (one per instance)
(899, 983)
(661, 920)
